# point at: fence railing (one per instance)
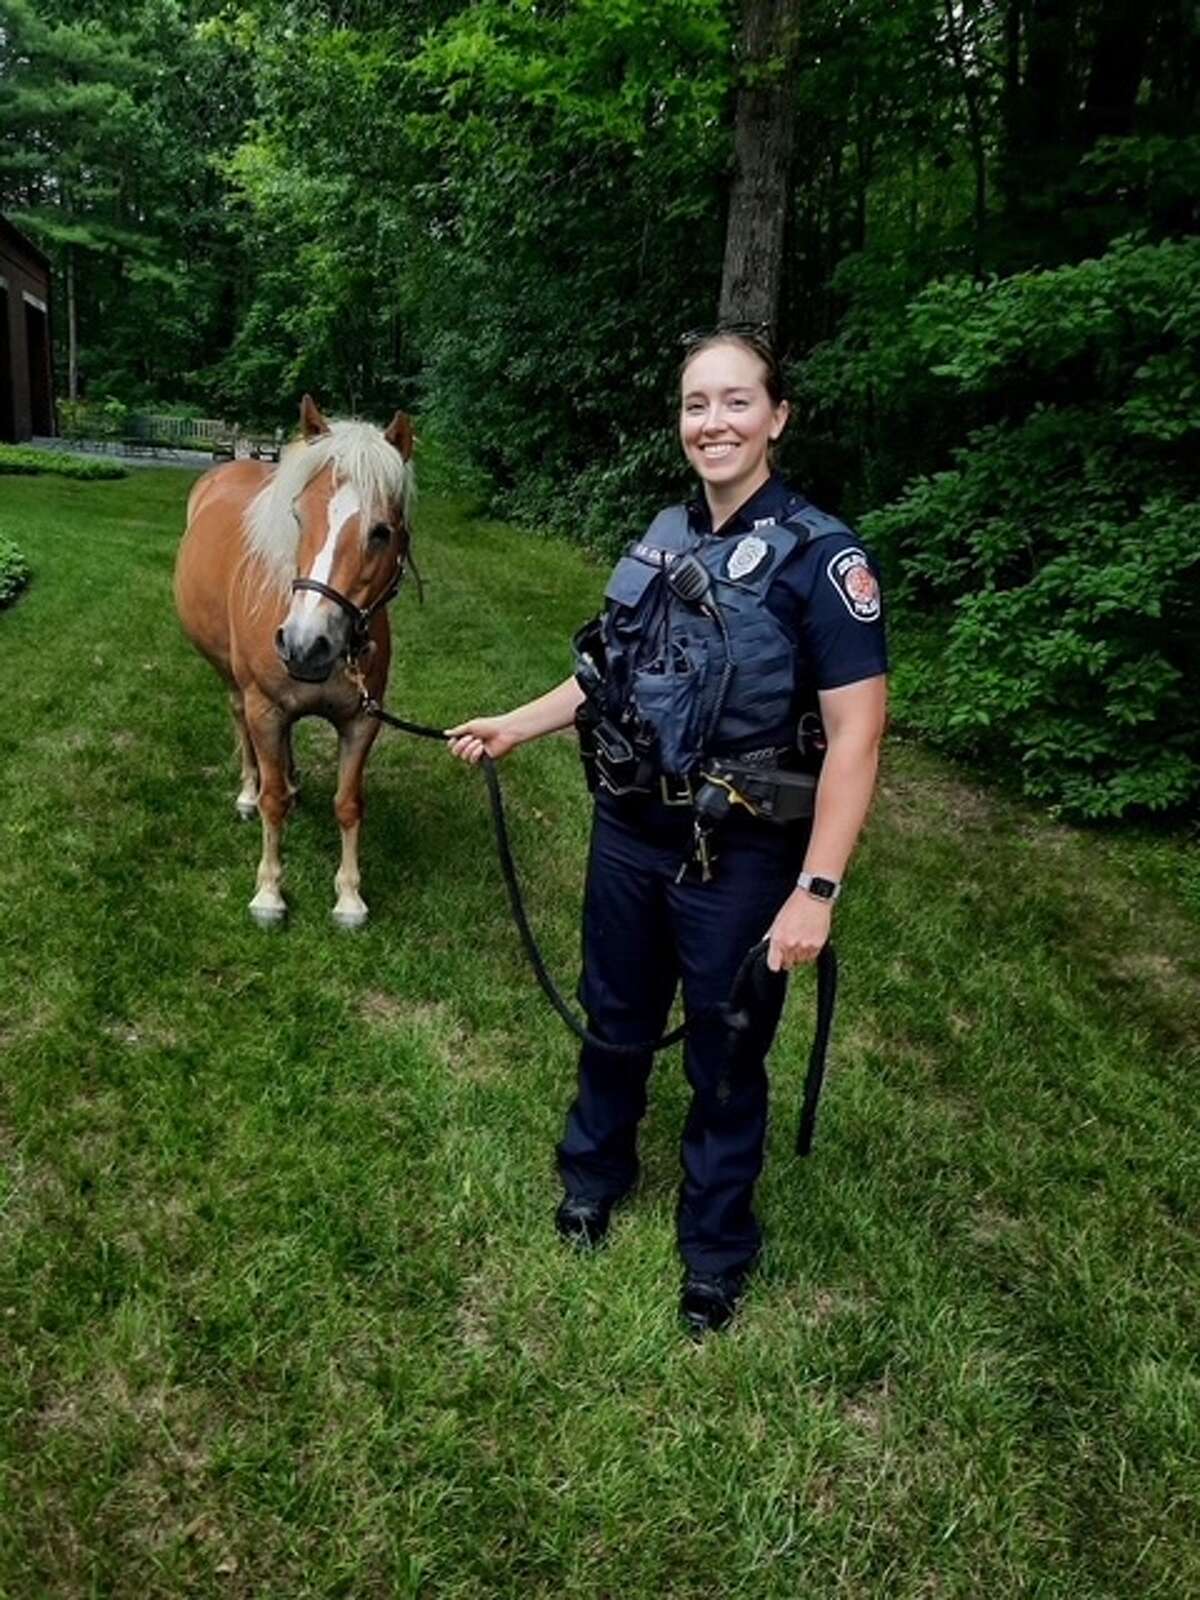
(180, 430)
(110, 426)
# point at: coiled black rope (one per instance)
(735, 1012)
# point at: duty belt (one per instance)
(673, 791)
(754, 770)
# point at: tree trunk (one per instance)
(1115, 72)
(72, 330)
(835, 228)
(1041, 147)
(1050, 33)
(966, 52)
(764, 128)
(864, 162)
(1012, 130)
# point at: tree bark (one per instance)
(1041, 145)
(1012, 133)
(72, 329)
(965, 52)
(764, 136)
(1050, 30)
(1115, 72)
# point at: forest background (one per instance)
(503, 215)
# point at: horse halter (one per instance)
(361, 616)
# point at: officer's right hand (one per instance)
(471, 741)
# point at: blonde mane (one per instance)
(359, 455)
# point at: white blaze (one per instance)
(343, 504)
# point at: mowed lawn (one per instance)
(282, 1313)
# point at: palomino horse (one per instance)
(282, 582)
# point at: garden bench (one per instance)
(265, 448)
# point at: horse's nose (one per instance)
(305, 657)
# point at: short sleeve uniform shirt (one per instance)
(826, 597)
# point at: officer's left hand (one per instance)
(799, 931)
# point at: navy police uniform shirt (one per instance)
(826, 596)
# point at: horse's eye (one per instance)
(381, 533)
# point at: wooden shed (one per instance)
(26, 374)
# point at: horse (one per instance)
(282, 582)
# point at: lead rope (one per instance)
(735, 1012)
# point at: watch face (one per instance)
(823, 888)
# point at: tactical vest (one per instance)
(656, 665)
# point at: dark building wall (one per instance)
(26, 380)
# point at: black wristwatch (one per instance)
(819, 888)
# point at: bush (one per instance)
(14, 571)
(93, 419)
(24, 459)
(1059, 556)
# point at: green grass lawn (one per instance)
(281, 1309)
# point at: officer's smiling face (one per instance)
(727, 420)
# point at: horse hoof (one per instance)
(269, 916)
(246, 810)
(350, 920)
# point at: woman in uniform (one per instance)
(741, 643)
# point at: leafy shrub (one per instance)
(93, 419)
(26, 460)
(1060, 554)
(14, 571)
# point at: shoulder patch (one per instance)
(747, 556)
(853, 579)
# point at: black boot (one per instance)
(582, 1222)
(709, 1300)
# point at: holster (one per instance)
(618, 757)
(626, 757)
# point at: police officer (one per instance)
(731, 701)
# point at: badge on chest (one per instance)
(747, 557)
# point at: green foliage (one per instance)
(27, 461)
(574, 165)
(109, 119)
(1062, 550)
(1154, 177)
(93, 419)
(14, 571)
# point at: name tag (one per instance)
(651, 554)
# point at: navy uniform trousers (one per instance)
(643, 934)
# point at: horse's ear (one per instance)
(312, 422)
(400, 434)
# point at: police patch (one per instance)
(747, 557)
(856, 583)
